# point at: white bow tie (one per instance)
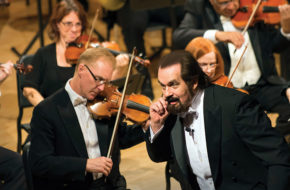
(79, 101)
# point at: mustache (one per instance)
(171, 99)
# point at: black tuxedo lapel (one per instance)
(102, 131)
(71, 123)
(254, 38)
(178, 144)
(213, 129)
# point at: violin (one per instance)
(75, 49)
(21, 68)
(267, 11)
(223, 81)
(135, 107)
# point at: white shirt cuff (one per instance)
(286, 35)
(152, 135)
(210, 35)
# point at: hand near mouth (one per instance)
(158, 114)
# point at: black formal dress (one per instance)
(47, 77)
(200, 16)
(58, 151)
(244, 151)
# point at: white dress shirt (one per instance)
(248, 70)
(196, 144)
(87, 124)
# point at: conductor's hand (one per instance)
(158, 114)
(236, 38)
(99, 165)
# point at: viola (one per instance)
(135, 107)
(75, 49)
(268, 12)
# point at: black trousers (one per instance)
(12, 176)
(270, 96)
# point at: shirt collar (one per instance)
(224, 19)
(75, 98)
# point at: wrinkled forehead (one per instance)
(170, 73)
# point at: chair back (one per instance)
(22, 103)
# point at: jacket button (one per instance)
(234, 179)
(234, 163)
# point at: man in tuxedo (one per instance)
(220, 138)
(256, 73)
(68, 147)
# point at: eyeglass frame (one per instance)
(98, 80)
(70, 24)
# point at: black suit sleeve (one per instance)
(43, 151)
(160, 149)
(130, 135)
(254, 128)
(191, 25)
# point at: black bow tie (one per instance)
(189, 117)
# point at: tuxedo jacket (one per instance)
(58, 151)
(200, 16)
(244, 151)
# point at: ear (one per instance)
(195, 85)
(80, 69)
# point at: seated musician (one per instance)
(68, 147)
(210, 61)
(50, 67)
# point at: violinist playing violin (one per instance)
(68, 147)
(213, 20)
(51, 69)
(210, 61)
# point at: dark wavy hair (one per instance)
(62, 9)
(190, 70)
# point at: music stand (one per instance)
(156, 4)
(39, 33)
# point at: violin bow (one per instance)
(92, 28)
(250, 19)
(113, 138)
(230, 78)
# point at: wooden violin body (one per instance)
(135, 107)
(75, 49)
(268, 12)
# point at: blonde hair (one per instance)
(199, 46)
(91, 55)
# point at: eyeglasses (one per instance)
(69, 25)
(98, 80)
